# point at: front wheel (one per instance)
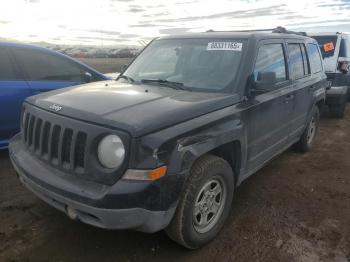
(307, 139)
(204, 204)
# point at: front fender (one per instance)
(191, 147)
(180, 145)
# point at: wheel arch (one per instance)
(230, 151)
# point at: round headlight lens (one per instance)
(111, 151)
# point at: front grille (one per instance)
(52, 142)
(68, 144)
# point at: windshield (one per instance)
(196, 64)
(327, 44)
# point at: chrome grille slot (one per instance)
(66, 144)
(79, 153)
(66, 147)
(55, 140)
(55, 143)
(45, 139)
(30, 130)
(26, 123)
(37, 133)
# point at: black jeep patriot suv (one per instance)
(166, 144)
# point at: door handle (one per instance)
(288, 98)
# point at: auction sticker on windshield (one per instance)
(231, 46)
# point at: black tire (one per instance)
(337, 111)
(183, 228)
(305, 143)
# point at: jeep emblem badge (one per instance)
(55, 107)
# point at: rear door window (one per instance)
(305, 60)
(296, 60)
(315, 58)
(42, 66)
(7, 71)
(327, 44)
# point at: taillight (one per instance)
(344, 67)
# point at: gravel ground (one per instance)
(297, 208)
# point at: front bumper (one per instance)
(141, 205)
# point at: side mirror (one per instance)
(264, 82)
(87, 77)
(266, 79)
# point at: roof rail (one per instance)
(252, 30)
(283, 30)
(278, 29)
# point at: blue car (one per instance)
(27, 70)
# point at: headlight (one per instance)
(111, 151)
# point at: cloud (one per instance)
(136, 10)
(321, 23)
(128, 35)
(268, 11)
(105, 32)
(179, 30)
(325, 28)
(187, 2)
(134, 20)
(149, 25)
(156, 14)
(154, 6)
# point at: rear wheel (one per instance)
(204, 204)
(307, 139)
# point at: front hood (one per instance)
(137, 109)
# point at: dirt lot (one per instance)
(295, 209)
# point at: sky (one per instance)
(133, 22)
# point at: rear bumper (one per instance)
(337, 95)
(140, 205)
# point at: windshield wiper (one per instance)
(175, 85)
(130, 79)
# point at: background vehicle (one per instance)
(27, 70)
(165, 146)
(335, 48)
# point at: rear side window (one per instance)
(271, 60)
(7, 71)
(296, 60)
(315, 58)
(344, 48)
(327, 44)
(45, 66)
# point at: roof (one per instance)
(234, 34)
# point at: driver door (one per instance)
(271, 114)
